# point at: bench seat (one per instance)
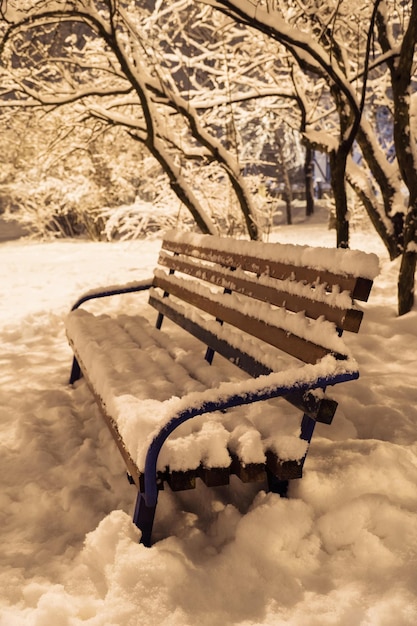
(143, 379)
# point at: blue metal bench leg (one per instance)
(75, 371)
(277, 486)
(307, 428)
(143, 518)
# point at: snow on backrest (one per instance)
(271, 298)
(337, 260)
(348, 270)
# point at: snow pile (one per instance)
(340, 552)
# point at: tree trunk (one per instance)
(406, 277)
(402, 69)
(337, 176)
(308, 180)
(182, 189)
(288, 208)
(283, 171)
(392, 238)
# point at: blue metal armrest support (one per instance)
(147, 500)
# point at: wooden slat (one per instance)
(249, 472)
(131, 466)
(359, 288)
(298, 347)
(214, 476)
(283, 470)
(346, 319)
(181, 481)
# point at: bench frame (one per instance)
(313, 408)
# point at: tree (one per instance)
(401, 67)
(112, 77)
(322, 39)
(197, 70)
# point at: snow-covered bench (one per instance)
(275, 311)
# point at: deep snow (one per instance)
(341, 551)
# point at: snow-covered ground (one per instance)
(341, 551)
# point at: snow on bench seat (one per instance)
(143, 385)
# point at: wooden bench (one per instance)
(275, 311)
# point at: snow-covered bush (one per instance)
(140, 219)
(53, 208)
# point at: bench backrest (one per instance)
(294, 298)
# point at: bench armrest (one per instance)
(113, 290)
(262, 388)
